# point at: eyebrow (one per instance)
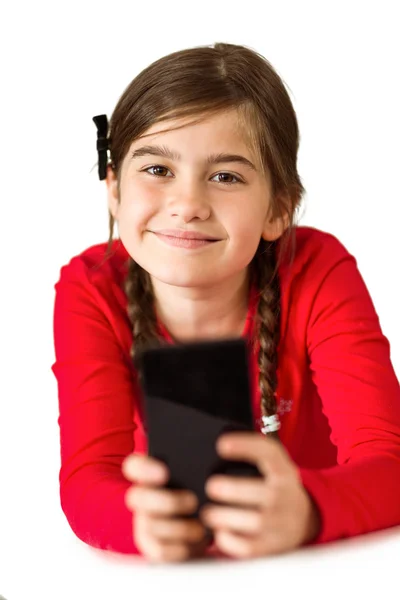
(172, 155)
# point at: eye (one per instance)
(227, 175)
(159, 170)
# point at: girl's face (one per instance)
(200, 178)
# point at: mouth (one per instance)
(184, 234)
(190, 242)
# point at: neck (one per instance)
(191, 314)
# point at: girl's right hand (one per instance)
(159, 533)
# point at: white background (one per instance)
(63, 63)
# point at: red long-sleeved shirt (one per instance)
(338, 395)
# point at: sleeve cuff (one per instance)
(315, 483)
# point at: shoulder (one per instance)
(320, 262)
(316, 253)
(90, 297)
(93, 278)
(93, 264)
(314, 244)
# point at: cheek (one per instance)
(245, 234)
(243, 224)
(139, 205)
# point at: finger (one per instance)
(245, 521)
(198, 549)
(238, 546)
(157, 550)
(242, 546)
(246, 491)
(160, 501)
(144, 469)
(268, 455)
(176, 530)
(165, 552)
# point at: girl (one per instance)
(202, 182)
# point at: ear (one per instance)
(112, 192)
(274, 227)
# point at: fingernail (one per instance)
(224, 444)
(157, 471)
(193, 501)
(204, 512)
(126, 466)
(213, 484)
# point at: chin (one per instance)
(180, 278)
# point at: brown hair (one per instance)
(194, 83)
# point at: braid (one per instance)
(267, 325)
(139, 292)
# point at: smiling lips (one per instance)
(185, 239)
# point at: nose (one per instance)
(189, 202)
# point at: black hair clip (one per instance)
(102, 145)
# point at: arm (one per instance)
(96, 399)
(351, 368)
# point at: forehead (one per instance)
(224, 127)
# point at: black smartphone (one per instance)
(192, 394)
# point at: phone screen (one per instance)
(192, 394)
(209, 376)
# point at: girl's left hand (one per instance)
(263, 516)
